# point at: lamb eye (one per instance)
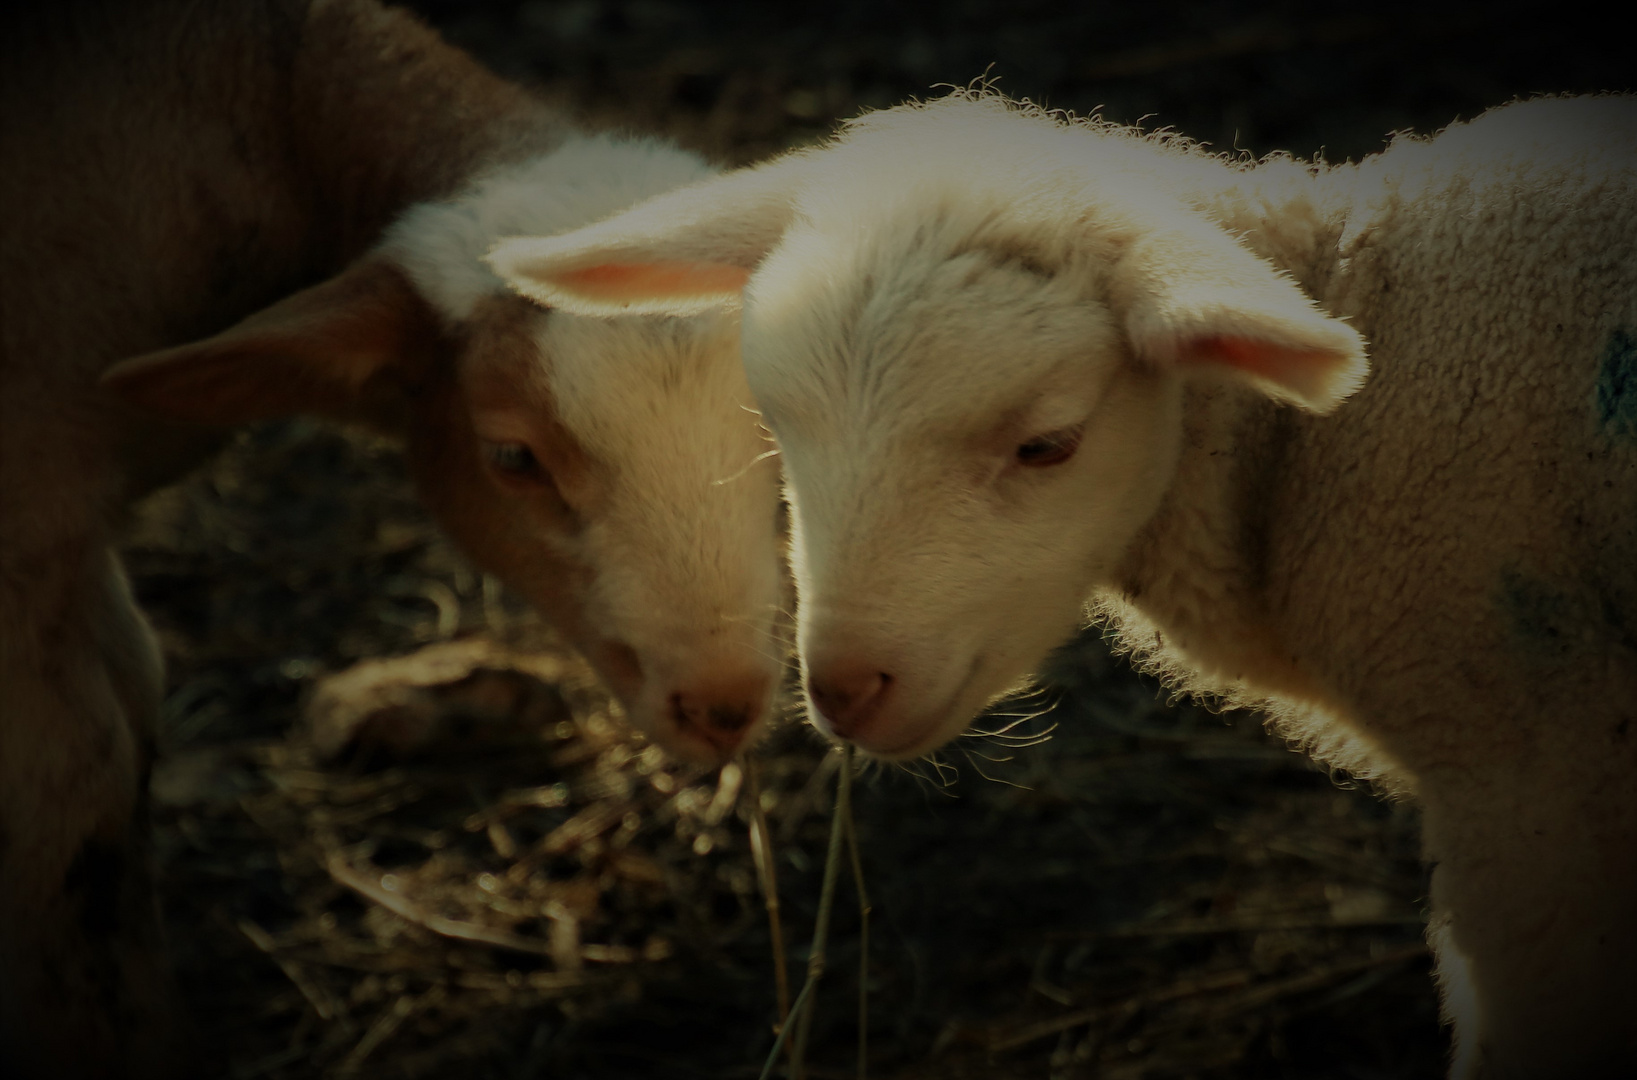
(1052, 448)
(514, 460)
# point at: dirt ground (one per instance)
(456, 863)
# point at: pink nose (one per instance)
(721, 714)
(847, 696)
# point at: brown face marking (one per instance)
(523, 537)
(502, 370)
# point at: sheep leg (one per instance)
(1535, 911)
(84, 987)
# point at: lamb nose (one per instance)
(723, 725)
(847, 700)
(728, 719)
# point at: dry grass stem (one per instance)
(827, 895)
(863, 934)
(798, 1006)
(761, 850)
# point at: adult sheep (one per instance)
(282, 204)
(1013, 361)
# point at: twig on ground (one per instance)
(321, 1001)
(1254, 997)
(1179, 989)
(407, 909)
(378, 1033)
(565, 948)
(1257, 996)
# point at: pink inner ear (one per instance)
(1305, 371)
(616, 281)
(1270, 361)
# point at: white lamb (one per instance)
(1013, 361)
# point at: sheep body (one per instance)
(227, 176)
(1431, 581)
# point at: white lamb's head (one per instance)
(968, 328)
(611, 469)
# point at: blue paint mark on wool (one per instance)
(1617, 386)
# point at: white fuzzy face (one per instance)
(970, 449)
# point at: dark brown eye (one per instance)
(513, 460)
(1052, 448)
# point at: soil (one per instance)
(458, 863)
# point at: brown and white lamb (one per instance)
(220, 212)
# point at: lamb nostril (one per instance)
(831, 701)
(620, 665)
(728, 718)
(723, 725)
(847, 702)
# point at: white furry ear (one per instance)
(675, 254)
(1197, 300)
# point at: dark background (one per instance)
(1168, 891)
(744, 79)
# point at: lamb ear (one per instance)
(676, 254)
(1203, 303)
(315, 351)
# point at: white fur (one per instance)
(587, 177)
(1435, 587)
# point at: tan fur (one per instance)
(172, 169)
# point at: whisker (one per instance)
(755, 461)
(1015, 722)
(947, 773)
(1024, 742)
(994, 779)
(1028, 738)
(1025, 745)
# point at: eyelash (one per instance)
(514, 460)
(1052, 448)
